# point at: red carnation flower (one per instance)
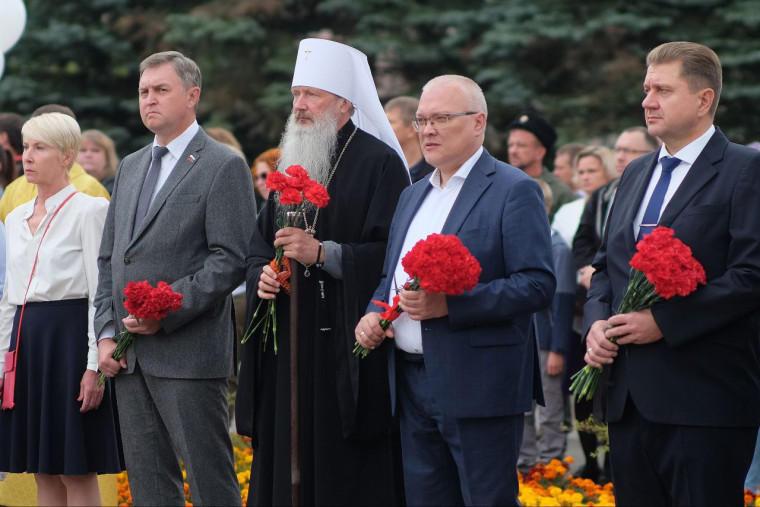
(299, 177)
(442, 264)
(276, 181)
(316, 194)
(290, 196)
(668, 264)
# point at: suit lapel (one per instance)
(700, 173)
(474, 186)
(189, 158)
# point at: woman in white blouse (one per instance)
(61, 428)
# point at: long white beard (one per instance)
(310, 146)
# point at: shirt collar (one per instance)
(462, 172)
(178, 145)
(51, 203)
(691, 151)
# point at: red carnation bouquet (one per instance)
(438, 263)
(144, 302)
(662, 268)
(295, 189)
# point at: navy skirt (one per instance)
(45, 432)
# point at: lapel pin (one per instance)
(191, 158)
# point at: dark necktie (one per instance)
(652, 213)
(149, 185)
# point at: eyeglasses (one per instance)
(628, 151)
(439, 121)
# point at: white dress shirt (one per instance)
(430, 217)
(67, 267)
(176, 147)
(688, 154)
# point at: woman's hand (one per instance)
(89, 393)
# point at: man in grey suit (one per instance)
(182, 212)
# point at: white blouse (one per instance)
(67, 267)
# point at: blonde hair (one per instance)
(108, 146)
(547, 191)
(603, 155)
(57, 130)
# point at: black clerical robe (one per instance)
(344, 407)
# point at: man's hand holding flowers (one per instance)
(269, 286)
(422, 305)
(638, 328)
(107, 365)
(369, 333)
(298, 245)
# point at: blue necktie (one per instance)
(149, 185)
(652, 213)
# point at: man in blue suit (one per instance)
(465, 368)
(683, 404)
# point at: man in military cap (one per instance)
(531, 137)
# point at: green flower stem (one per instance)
(123, 341)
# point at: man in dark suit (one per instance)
(466, 366)
(181, 212)
(684, 393)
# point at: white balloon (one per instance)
(2, 65)
(12, 23)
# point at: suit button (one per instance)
(127, 260)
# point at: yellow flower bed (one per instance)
(544, 486)
(551, 485)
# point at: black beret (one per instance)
(536, 125)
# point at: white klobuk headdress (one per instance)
(344, 71)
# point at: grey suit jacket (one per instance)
(195, 237)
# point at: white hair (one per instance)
(476, 101)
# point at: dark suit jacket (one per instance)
(481, 359)
(705, 371)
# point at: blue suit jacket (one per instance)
(705, 371)
(481, 359)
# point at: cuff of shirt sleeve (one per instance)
(92, 360)
(108, 331)
(333, 259)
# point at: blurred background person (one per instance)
(595, 167)
(400, 112)
(227, 138)
(264, 164)
(97, 156)
(20, 190)
(8, 171)
(10, 137)
(530, 141)
(62, 427)
(632, 143)
(564, 166)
